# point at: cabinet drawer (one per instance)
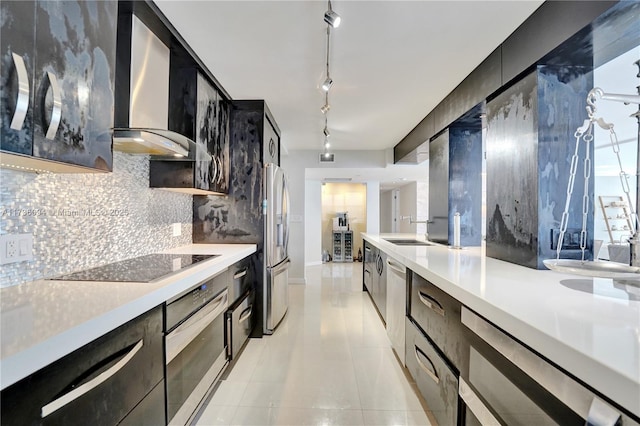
(438, 314)
(97, 384)
(437, 383)
(242, 277)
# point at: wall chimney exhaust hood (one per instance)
(148, 95)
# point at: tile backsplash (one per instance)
(79, 221)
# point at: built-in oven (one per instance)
(196, 352)
(508, 384)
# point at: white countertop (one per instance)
(42, 321)
(594, 335)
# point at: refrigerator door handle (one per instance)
(285, 210)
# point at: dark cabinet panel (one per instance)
(199, 111)
(99, 383)
(271, 152)
(437, 383)
(438, 314)
(70, 67)
(17, 63)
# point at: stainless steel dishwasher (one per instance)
(396, 306)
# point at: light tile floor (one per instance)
(328, 363)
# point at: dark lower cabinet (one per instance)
(150, 411)
(437, 382)
(438, 315)
(375, 277)
(57, 84)
(98, 384)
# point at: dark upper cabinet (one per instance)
(57, 84)
(199, 111)
(259, 123)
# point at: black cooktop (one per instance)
(139, 269)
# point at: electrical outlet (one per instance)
(15, 248)
(12, 249)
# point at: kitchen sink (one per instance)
(408, 242)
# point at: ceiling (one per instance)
(392, 62)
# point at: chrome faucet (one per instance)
(426, 222)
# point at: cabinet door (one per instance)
(97, 384)
(75, 45)
(271, 142)
(16, 76)
(212, 137)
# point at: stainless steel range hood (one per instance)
(149, 102)
(155, 142)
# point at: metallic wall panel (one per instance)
(512, 169)
(465, 184)
(562, 93)
(439, 188)
(79, 221)
(530, 143)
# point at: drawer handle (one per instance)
(396, 267)
(183, 335)
(246, 314)
(76, 393)
(429, 369)
(240, 274)
(367, 249)
(431, 303)
(475, 404)
(22, 100)
(56, 113)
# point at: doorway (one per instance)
(344, 207)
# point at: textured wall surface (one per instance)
(512, 170)
(465, 184)
(530, 142)
(79, 221)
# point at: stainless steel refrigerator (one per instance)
(276, 211)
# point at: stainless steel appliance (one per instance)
(509, 384)
(195, 346)
(276, 209)
(396, 306)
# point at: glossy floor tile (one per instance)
(328, 363)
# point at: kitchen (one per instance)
(148, 214)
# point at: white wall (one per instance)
(386, 209)
(408, 201)
(373, 209)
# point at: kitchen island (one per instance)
(42, 321)
(588, 327)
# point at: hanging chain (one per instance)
(572, 177)
(585, 132)
(624, 178)
(588, 138)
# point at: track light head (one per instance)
(326, 85)
(326, 132)
(332, 18)
(327, 145)
(325, 108)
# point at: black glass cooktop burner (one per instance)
(139, 269)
